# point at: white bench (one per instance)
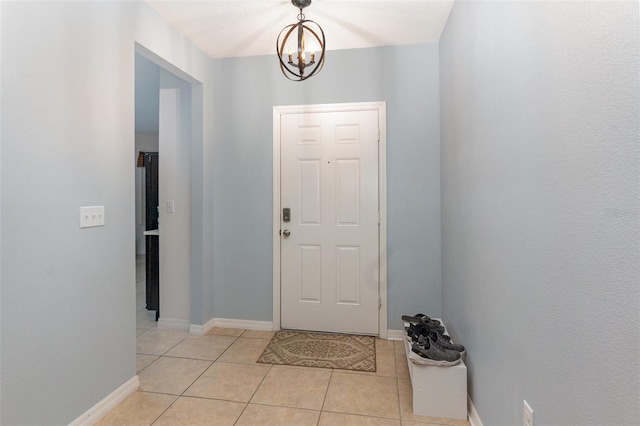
(438, 391)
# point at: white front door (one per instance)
(330, 269)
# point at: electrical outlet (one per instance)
(528, 414)
(91, 216)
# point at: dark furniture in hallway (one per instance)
(152, 241)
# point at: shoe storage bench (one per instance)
(438, 391)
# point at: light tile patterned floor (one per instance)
(214, 380)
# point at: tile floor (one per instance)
(214, 380)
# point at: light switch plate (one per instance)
(171, 206)
(91, 216)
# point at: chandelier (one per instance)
(303, 64)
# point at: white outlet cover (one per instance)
(528, 414)
(91, 216)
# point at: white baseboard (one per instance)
(246, 324)
(474, 419)
(173, 324)
(199, 330)
(99, 410)
(395, 335)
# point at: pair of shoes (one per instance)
(414, 331)
(420, 324)
(429, 343)
(421, 319)
(442, 341)
(428, 353)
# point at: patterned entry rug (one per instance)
(327, 350)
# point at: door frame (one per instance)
(381, 108)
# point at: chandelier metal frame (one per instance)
(295, 71)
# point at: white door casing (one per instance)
(330, 272)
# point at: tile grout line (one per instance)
(191, 384)
(148, 365)
(206, 369)
(186, 389)
(159, 356)
(253, 394)
(197, 378)
(166, 409)
(326, 392)
(395, 366)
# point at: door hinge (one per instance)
(379, 218)
(379, 301)
(378, 135)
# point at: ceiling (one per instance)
(235, 28)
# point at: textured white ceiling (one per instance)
(232, 28)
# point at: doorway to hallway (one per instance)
(174, 108)
(147, 92)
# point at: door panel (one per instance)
(348, 192)
(329, 261)
(310, 278)
(348, 275)
(309, 195)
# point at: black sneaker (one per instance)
(415, 331)
(440, 341)
(430, 354)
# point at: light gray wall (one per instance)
(174, 183)
(147, 86)
(67, 111)
(406, 78)
(540, 210)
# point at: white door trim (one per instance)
(380, 107)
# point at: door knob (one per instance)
(286, 232)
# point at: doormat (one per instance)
(324, 350)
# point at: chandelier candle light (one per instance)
(297, 71)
